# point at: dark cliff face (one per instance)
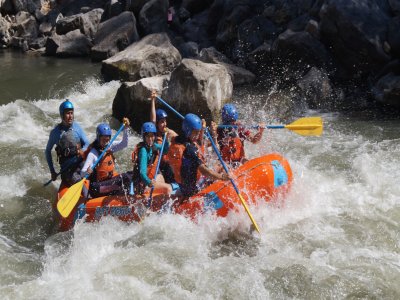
(354, 43)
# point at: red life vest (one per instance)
(231, 146)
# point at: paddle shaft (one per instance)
(157, 168)
(222, 162)
(233, 183)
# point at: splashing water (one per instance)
(336, 236)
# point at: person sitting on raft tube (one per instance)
(104, 180)
(70, 141)
(231, 140)
(145, 158)
(192, 159)
(159, 118)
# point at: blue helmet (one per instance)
(160, 114)
(148, 127)
(65, 105)
(190, 123)
(229, 113)
(103, 129)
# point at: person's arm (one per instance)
(89, 162)
(50, 144)
(118, 146)
(82, 136)
(143, 166)
(153, 117)
(256, 137)
(212, 174)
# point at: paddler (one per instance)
(231, 139)
(104, 180)
(70, 141)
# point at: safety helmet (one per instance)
(229, 113)
(160, 114)
(65, 105)
(190, 123)
(102, 130)
(148, 127)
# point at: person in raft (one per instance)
(193, 160)
(231, 140)
(145, 158)
(70, 142)
(104, 180)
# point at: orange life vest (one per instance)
(106, 168)
(232, 149)
(174, 159)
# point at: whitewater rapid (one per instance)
(336, 236)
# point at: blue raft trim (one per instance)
(280, 175)
(211, 201)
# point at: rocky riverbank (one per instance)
(326, 53)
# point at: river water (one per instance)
(336, 237)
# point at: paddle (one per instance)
(67, 202)
(222, 162)
(310, 126)
(157, 168)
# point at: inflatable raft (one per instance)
(260, 178)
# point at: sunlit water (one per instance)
(336, 237)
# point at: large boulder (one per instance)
(387, 90)
(5, 34)
(114, 35)
(199, 88)
(151, 56)
(238, 75)
(301, 48)
(72, 44)
(132, 101)
(355, 31)
(87, 23)
(315, 88)
(153, 16)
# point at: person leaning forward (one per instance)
(70, 141)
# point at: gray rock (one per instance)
(238, 75)
(114, 35)
(355, 31)
(199, 88)
(153, 55)
(132, 99)
(72, 44)
(316, 89)
(387, 90)
(153, 16)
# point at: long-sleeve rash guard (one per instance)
(145, 156)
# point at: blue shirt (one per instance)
(191, 162)
(146, 157)
(54, 139)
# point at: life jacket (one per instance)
(151, 165)
(231, 145)
(105, 169)
(68, 145)
(175, 155)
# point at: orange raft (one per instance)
(260, 178)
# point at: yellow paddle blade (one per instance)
(307, 126)
(67, 202)
(248, 213)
